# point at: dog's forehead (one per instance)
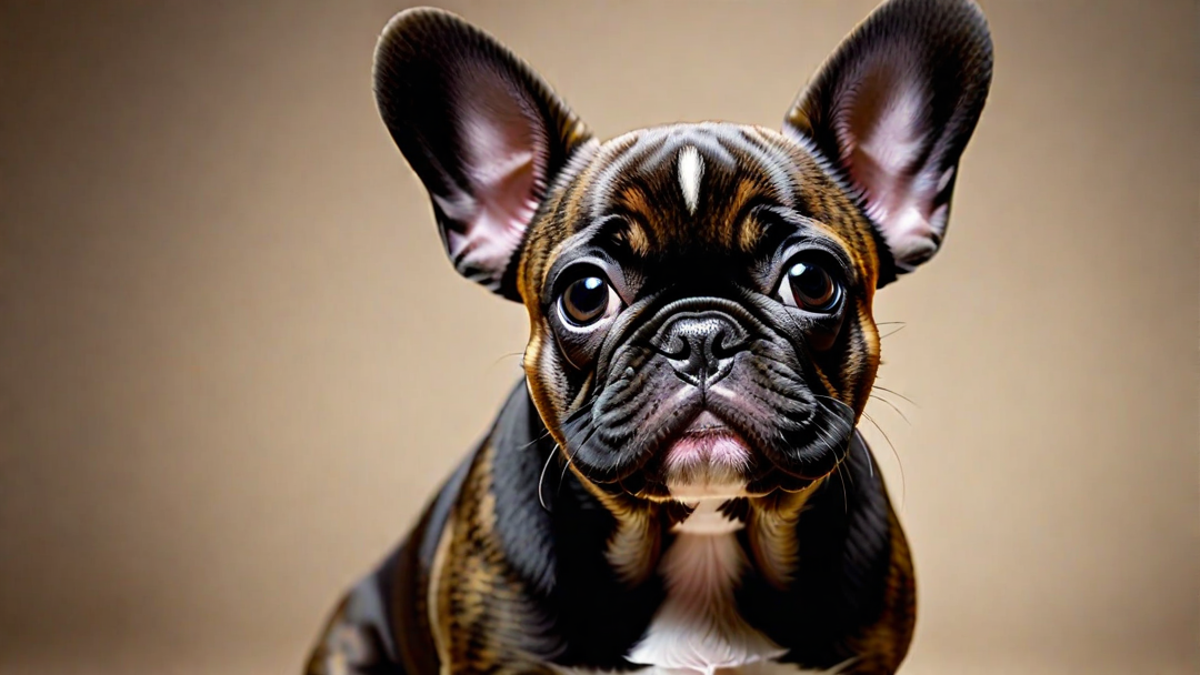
(689, 184)
(692, 186)
(691, 193)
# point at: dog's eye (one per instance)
(587, 300)
(809, 287)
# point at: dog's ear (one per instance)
(483, 132)
(893, 109)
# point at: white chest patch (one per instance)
(691, 170)
(698, 629)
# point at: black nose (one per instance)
(701, 347)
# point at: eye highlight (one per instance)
(587, 300)
(806, 285)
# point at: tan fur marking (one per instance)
(634, 548)
(749, 234)
(639, 243)
(439, 622)
(772, 532)
(748, 230)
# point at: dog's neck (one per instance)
(644, 529)
(698, 628)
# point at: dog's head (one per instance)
(699, 294)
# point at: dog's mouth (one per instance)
(708, 459)
(752, 432)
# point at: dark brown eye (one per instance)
(587, 300)
(809, 287)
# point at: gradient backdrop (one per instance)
(234, 362)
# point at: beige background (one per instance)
(234, 363)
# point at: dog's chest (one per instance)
(698, 628)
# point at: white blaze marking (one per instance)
(698, 630)
(691, 169)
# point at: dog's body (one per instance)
(677, 486)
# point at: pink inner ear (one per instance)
(882, 131)
(503, 162)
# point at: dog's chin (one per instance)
(710, 460)
(707, 461)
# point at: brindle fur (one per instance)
(531, 561)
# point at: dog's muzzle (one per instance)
(701, 346)
(705, 397)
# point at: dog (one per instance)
(677, 485)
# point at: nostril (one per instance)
(716, 344)
(677, 348)
(701, 348)
(724, 344)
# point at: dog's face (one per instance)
(700, 299)
(699, 294)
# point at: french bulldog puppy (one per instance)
(676, 486)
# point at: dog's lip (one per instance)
(694, 445)
(707, 440)
(706, 423)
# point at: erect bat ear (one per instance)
(893, 109)
(483, 132)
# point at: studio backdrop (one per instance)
(234, 361)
